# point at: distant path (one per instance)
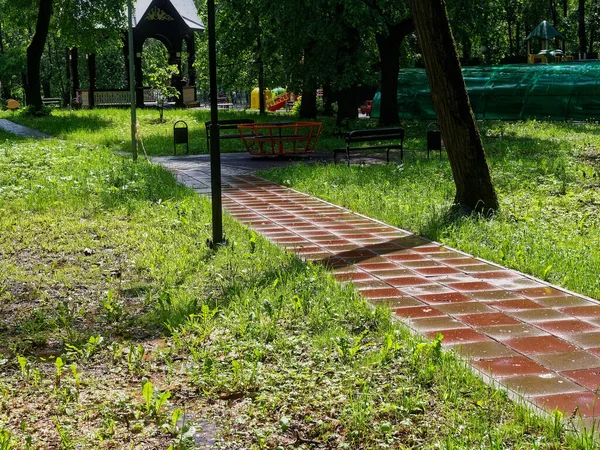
(21, 130)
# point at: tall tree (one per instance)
(474, 189)
(581, 28)
(34, 54)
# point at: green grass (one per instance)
(112, 128)
(548, 180)
(106, 284)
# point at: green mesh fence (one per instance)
(564, 91)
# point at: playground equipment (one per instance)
(565, 91)
(274, 100)
(255, 98)
(280, 138)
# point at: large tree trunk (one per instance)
(347, 106)
(389, 56)
(474, 189)
(581, 30)
(34, 54)
(74, 60)
(308, 107)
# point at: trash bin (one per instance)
(180, 136)
(434, 138)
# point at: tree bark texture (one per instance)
(308, 107)
(474, 189)
(91, 59)
(34, 54)
(581, 28)
(389, 56)
(74, 59)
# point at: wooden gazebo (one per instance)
(171, 22)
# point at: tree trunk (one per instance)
(328, 99)
(389, 55)
(474, 189)
(308, 107)
(34, 55)
(74, 59)
(581, 30)
(347, 106)
(91, 59)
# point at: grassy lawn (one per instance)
(113, 129)
(120, 328)
(548, 180)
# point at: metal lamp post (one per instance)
(132, 80)
(215, 144)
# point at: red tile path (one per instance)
(535, 339)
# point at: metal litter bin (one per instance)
(180, 136)
(434, 138)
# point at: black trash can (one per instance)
(180, 136)
(434, 138)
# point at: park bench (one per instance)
(57, 102)
(382, 138)
(230, 124)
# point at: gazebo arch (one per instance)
(171, 22)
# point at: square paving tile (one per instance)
(426, 289)
(542, 384)
(497, 274)
(459, 308)
(539, 315)
(389, 273)
(516, 305)
(462, 260)
(434, 271)
(477, 269)
(591, 311)
(422, 263)
(563, 302)
(589, 378)
(538, 345)
(404, 255)
(397, 302)
(488, 319)
(417, 312)
(407, 281)
(562, 327)
(510, 367)
(568, 360)
(584, 404)
(541, 292)
(458, 336)
(448, 297)
(506, 332)
(435, 324)
(373, 283)
(485, 349)
(382, 266)
(585, 340)
(494, 295)
(472, 286)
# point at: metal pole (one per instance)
(132, 80)
(215, 143)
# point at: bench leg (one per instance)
(348, 154)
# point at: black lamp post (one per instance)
(215, 144)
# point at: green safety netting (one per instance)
(564, 91)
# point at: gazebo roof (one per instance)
(544, 31)
(185, 8)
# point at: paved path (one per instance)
(21, 130)
(534, 339)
